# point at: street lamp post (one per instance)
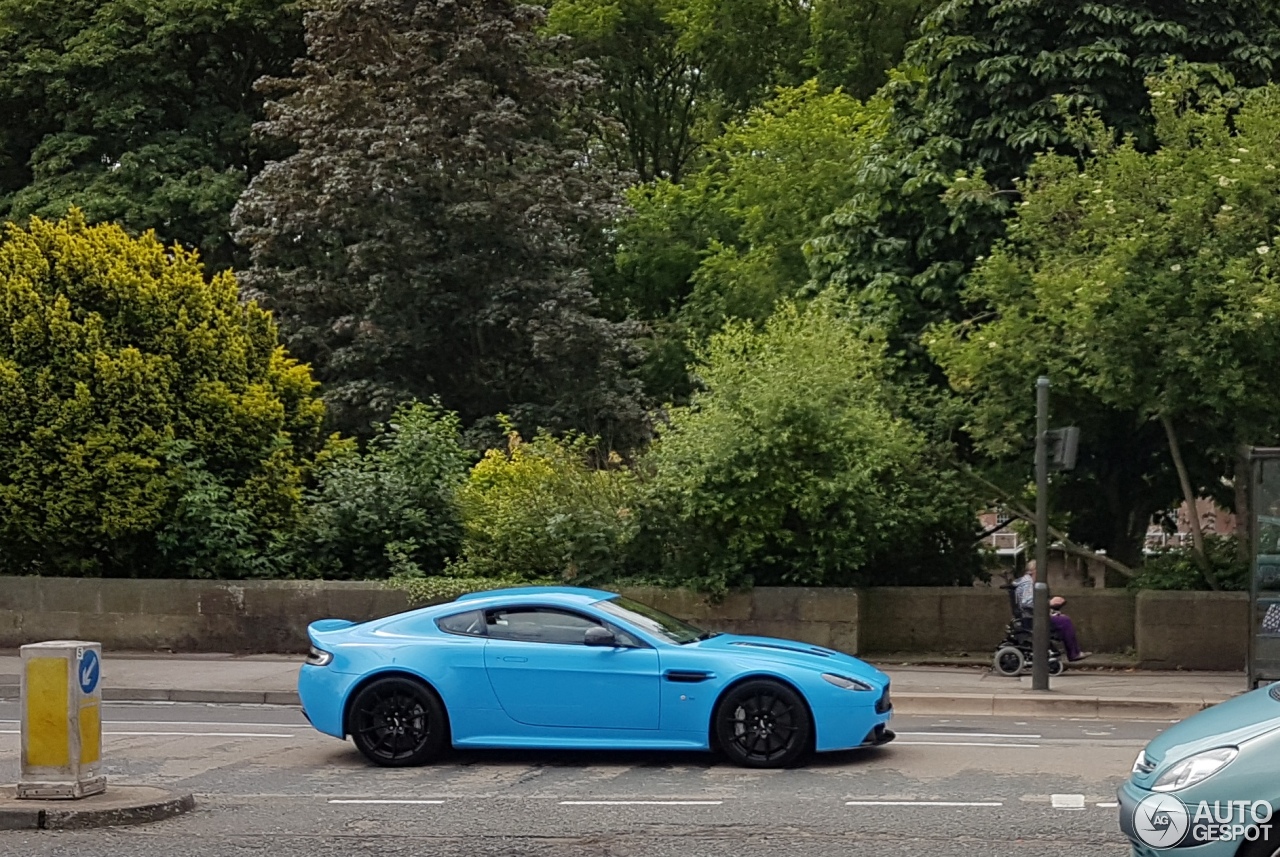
(1040, 604)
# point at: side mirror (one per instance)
(597, 636)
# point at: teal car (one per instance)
(1209, 785)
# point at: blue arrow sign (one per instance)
(89, 671)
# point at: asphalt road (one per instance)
(266, 784)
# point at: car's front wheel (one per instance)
(763, 724)
(398, 722)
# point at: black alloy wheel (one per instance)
(397, 723)
(763, 724)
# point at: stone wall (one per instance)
(1168, 630)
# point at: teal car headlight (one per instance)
(846, 683)
(1195, 769)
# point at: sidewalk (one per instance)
(1117, 693)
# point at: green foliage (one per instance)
(116, 354)
(791, 469)
(391, 510)
(1144, 284)
(428, 237)
(728, 242)
(1174, 568)
(675, 70)
(539, 510)
(138, 111)
(989, 84)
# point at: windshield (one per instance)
(653, 620)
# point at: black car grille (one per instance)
(884, 703)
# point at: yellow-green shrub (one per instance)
(539, 509)
(130, 388)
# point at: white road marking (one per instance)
(387, 801)
(966, 735)
(962, 744)
(1107, 805)
(641, 802)
(921, 803)
(139, 734)
(1067, 801)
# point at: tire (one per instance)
(763, 724)
(1056, 666)
(398, 722)
(1009, 661)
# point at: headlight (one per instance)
(319, 657)
(1194, 769)
(847, 683)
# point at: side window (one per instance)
(537, 625)
(469, 624)
(547, 625)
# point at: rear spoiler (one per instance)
(324, 626)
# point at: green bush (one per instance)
(540, 510)
(792, 469)
(146, 413)
(1174, 568)
(392, 510)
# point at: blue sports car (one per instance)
(566, 668)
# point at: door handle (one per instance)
(515, 660)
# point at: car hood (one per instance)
(1229, 723)
(795, 653)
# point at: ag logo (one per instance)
(1161, 820)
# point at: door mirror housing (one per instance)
(597, 636)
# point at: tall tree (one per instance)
(676, 71)
(1146, 285)
(138, 111)
(985, 88)
(427, 236)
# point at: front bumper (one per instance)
(1130, 796)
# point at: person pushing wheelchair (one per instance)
(1024, 591)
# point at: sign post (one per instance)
(1264, 585)
(61, 720)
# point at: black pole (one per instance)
(1040, 611)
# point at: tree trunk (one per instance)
(1193, 511)
(1244, 523)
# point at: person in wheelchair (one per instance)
(1063, 627)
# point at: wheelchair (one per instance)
(1013, 656)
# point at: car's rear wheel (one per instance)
(763, 724)
(398, 722)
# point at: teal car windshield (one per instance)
(653, 620)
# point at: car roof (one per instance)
(559, 594)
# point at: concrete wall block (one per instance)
(20, 594)
(844, 637)
(174, 597)
(900, 620)
(776, 603)
(828, 605)
(1104, 619)
(816, 633)
(1192, 630)
(119, 596)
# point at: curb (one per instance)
(119, 806)
(1047, 704)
